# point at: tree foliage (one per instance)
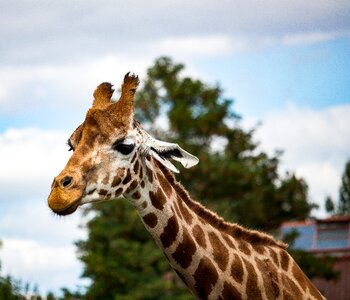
(344, 191)
(329, 205)
(316, 266)
(201, 120)
(234, 178)
(122, 260)
(9, 288)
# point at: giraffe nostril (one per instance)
(66, 181)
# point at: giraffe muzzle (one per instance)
(66, 195)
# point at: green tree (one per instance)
(50, 296)
(234, 177)
(122, 260)
(329, 205)
(200, 118)
(10, 289)
(69, 295)
(315, 266)
(344, 191)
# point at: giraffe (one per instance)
(114, 156)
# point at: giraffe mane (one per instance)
(236, 231)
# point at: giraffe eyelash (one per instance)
(69, 144)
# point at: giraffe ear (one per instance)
(164, 151)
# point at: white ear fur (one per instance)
(164, 151)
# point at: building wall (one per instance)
(340, 289)
(329, 236)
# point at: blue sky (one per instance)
(316, 75)
(286, 64)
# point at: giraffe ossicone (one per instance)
(114, 156)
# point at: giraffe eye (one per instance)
(123, 148)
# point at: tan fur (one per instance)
(103, 95)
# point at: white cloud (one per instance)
(51, 267)
(30, 158)
(315, 143)
(305, 38)
(37, 246)
(224, 45)
(67, 89)
(62, 31)
(201, 46)
(35, 221)
(62, 86)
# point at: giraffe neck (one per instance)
(212, 257)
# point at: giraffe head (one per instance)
(106, 146)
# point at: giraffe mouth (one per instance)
(71, 208)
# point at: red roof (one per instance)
(335, 218)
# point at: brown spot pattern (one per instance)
(151, 220)
(144, 204)
(118, 178)
(275, 277)
(164, 183)
(205, 278)
(274, 256)
(228, 241)
(185, 250)
(237, 271)
(299, 276)
(260, 249)
(269, 275)
(291, 287)
(118, 192)
(142, 183)
(184, 211)
(141, 174)
(116, 181)
(284, 260)
(199, 236)
(91, 192)
(133, 158)
(93, 177)
(106, 179)
(136, 195)
(230, 292)
(220, 252)
(252, 289)
(158, 199)
(149, 174)
(244, 247)
(132, 186)
(127, 178)
(287, 295)
(121, 172)
(136, 166)
(102, 192)
(169, 233)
